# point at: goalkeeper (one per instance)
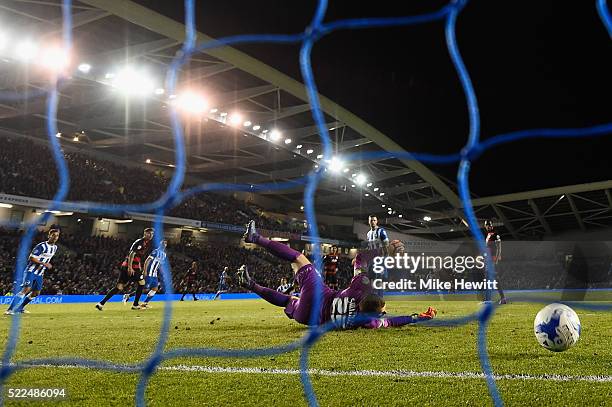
(340, 307)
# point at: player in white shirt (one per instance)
(377, 237)
(38, 261)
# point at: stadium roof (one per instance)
(260, 101)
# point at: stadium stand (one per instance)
(101, 180)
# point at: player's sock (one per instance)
(194, 297)
(411, 319)
(278, 249)
(108, 296)
(139, 289)
(183, 296)
(25, 302)
(270, 295)
(149, 296)
(16, 301)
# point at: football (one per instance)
(557, 327)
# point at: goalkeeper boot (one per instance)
(243, 278)
(429, 314)
(250, 235)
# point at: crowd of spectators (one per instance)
(90, 264)
(28, 169)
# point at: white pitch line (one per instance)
(385, 373)
(366, 373)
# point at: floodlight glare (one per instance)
(235, 119)
(84, 68)
(335, 164)
(275, 135)
(360, 179)
(26, 50)
(133, 82)
(191, 102)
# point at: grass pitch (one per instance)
(342, 358)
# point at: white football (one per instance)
(557, 327)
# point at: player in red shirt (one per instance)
(131, 269)
(189, 283)
(493, 242)
(330, 267)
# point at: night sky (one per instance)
(533, 64)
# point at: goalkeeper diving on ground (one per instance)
(354, 307)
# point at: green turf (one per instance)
(123, 336)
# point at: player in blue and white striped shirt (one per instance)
(378, 245)
(377, 237)
(152, 267)
(223, 287)
(38, 262)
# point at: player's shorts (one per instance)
(34, 281)
(151, 282)
(331, 278)
(125, 278)
(299, 308)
